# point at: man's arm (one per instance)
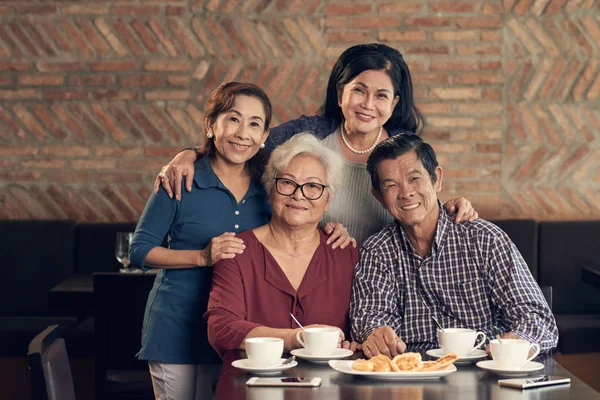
(374, 299)
(519, 298)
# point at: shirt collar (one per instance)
(205, 178)
(440, 232)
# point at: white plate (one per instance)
(345, 367)
(336, 355)
(245, 365)
(490, 365)
(475, 355)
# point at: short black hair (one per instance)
(375, 56)
(396, 146)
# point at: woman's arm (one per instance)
(462, 208)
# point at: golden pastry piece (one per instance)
(408, 362)
(441, 363)
(381, 363)
(363, 365)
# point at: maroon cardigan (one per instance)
(251, 290)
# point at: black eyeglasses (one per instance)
(310, 190)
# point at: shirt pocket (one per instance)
(473, 303)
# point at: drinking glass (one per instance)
(122, 250)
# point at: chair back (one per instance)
(547, 292)
(49, 367)
(119, 304)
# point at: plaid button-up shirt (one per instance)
(473, 277)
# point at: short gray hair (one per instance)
(307, 144)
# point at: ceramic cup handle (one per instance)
(300, 340)
(535, 353)
(482, 341)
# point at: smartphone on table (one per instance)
(534, 381)
(284, 381)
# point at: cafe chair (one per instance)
(49, 367)
(547, 292)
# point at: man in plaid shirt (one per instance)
(467, 275)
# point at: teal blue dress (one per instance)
(174, 330)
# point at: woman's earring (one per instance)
(262, 145)
(209, 134)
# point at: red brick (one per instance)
(492, 8)
(167, 95)
(464, 50)
(452, 7)
(17, 30)
(32, 29)
(491, 65)
(44, 164)
(453, 65)
(144, 123)
(451, 122)
(15, 66)
(121, 177)
(76, 36)
(347, 37)
(125, 34)
(19, 94)
(124, 120)
(161, 151)
(131, 9)
(449, 93)
(402, 36)
(491, 94)
(191, 46)
(37, 9)
(491, 121)
(427, 21)
(480, 108)
(66, 94)
(91, 80)
(477, 135)
(108, 123)
(166, 41)
(112, 151)
(175, 10)
(40, 80)
(45, 66)
(489, 147)
(430, 78)
(479, 78)
(145, 35)
(113, 65)
(492, 36)
(68, 121)
(94, 164)
(167, 66)
(111, 94)
(435, 108)
(141, 80)
(456, 35)
(67, 151)
(374, 22)
(479, 22)
(427, 49)
(402, 7)
(348, 9)
(93, 9)
(17, 176)
(15, 50)
(142, 164)
(178, 80)
(50, 121)
(55, 35)
(20, 150)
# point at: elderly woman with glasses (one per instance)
(286, 266)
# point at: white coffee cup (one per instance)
(460, 340)
(264, 351)
(320, 342)
(512, 353)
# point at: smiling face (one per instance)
(296, 210)
(367, 101)
(239, 132)
(407, 191)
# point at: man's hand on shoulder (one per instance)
(383, 340)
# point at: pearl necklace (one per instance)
(360, 151)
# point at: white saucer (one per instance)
(490, 365)
(336, 355)
(475, 355)
(244, 364)
(345, 366)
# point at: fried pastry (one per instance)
(363, 365)
(441, 363)
(408, 362)
(381, 363)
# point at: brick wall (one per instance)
(95, 96)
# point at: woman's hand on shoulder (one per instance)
(170, 175)
(221, 247)
(338, 235)
(462, 208)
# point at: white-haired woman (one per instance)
(286, 266)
